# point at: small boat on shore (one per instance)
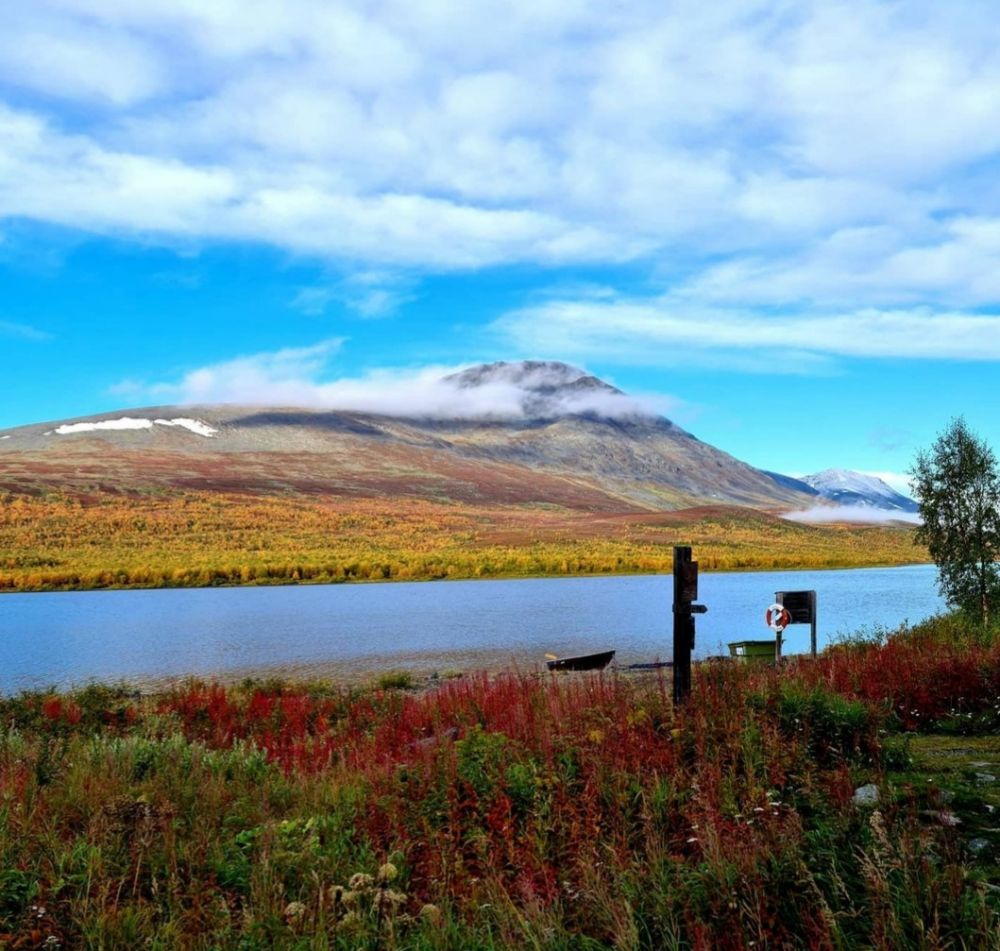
(583, 662)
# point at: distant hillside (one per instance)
(559, 437)
(845, 487)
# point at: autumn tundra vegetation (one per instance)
(183, 539)
(844, 802)
(848, 801)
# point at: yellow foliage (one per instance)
(194, 539)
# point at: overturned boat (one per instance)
(582, 662)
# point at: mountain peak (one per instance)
(538, 376)
(548, 388)
(847, 487)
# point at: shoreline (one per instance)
(332, 675)
(353, 582)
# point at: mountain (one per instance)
(546, 389)
(797, 485)
(845, 487)
(532, 432)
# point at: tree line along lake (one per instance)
(353, 631)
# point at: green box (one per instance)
(752, 652)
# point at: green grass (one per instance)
(958, 778)
(395, 680)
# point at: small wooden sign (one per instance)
(801, 605)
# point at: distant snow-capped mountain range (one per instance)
(858, 489)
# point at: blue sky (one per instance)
(777, 222)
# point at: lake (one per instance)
(339, 631)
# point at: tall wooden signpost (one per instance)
(685, 593)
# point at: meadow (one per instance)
(198, 539)
(519, 810)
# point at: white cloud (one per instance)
(872, 89)
(71, 181)
(23, 331)
(863, 514)
(365, 293)
(282, 378)
(76, 60)
(300, 377)
(670, 329)
(375, 293)
(953, 261)
(826, 156)
(313, 300)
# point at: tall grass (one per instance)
(935, 674)
(517, 811)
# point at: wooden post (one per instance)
(812, 623)
(685, 592)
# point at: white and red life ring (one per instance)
(777, 617)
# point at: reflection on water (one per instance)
(339, 631)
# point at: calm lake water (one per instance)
(341, 630)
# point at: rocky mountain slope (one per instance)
(529, 432)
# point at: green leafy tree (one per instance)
(957, 485)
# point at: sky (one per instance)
(778, 222)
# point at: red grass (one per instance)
(58, 710)
(385, 729)
(585, 796)
(920, 680)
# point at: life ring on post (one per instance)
(777, 617)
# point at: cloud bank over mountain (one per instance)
(860, 514)
(299, 377)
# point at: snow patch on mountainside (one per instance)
(129, 422)
(126, 422)
(196, 426)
